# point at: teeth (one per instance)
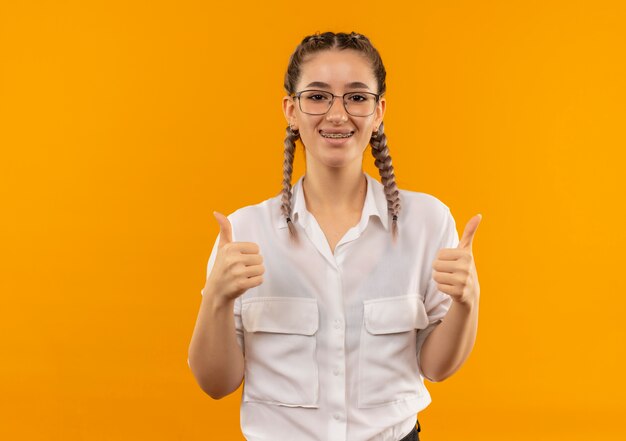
(336, 135)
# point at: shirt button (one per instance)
(336, 371)
(336, 416)
(337, 324)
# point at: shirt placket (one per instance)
(336, 331)
(337, 397)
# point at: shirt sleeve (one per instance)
(237, 303)
(436, 302)
(239, 324)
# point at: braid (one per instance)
(290, 148)
(317, 37)
(354, 37)
(388, 178)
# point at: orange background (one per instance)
(124, 125)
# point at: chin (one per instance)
(332, 156)
(340, 161)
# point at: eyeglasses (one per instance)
(319, 102)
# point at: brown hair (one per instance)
(341, 41)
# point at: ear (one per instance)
(380, 113)
(289, 109)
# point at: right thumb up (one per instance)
(226, 230)
(237, 267)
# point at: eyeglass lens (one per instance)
(318, 102)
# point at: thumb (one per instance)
(226, 230)
(469, 232)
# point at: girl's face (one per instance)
(337, 69)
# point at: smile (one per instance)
(336, 135)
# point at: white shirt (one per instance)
(331, 341)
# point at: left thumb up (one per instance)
(469, 232)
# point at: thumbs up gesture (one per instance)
(454, 269)
(238, 265)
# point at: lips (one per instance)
(337, 137)
(334, 132)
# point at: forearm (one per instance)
(447, 347)
(215, 357)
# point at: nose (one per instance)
(337, 111)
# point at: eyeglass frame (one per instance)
(332, 101)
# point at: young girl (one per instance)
(322, 297)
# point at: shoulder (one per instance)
(416, 204)
(427, 219)
(255, 217)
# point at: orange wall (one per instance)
(123, 126)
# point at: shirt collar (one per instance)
(375, 204)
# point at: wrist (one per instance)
(214, 300)
(468, 304)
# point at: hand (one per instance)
(454, 269)
(238, 265)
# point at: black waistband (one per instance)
(413, 435)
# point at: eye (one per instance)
(317, 97)
(358, 98)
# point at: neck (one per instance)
(328, 192)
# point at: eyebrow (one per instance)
(353, 84)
